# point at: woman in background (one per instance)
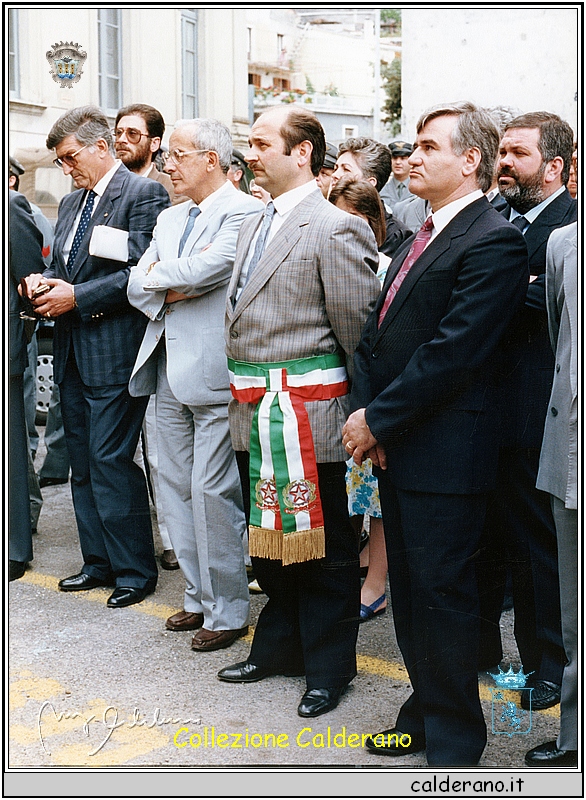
(360, 198)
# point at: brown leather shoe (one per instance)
(169, 560)
(205, 640)
(184, 621)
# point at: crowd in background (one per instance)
(317, 363)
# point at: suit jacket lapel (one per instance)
(101, 216)
(457, 227)
(276, 251)
(66, 223)
(550, 218)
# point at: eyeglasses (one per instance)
(133, 135)
(176, 156)
(69, 160)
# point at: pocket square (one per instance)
(108, 242)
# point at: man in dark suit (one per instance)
(533, 169)
(426, 413)
(102, 230)
(25, 244)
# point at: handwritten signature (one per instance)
(109, 721)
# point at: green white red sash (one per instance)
(286, 518)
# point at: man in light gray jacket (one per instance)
(180, 284)
(558, 475)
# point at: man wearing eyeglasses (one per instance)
(138, 133)
(180, 285)
(102, 230)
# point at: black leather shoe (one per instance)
(549, 755)
(124, 596)
(395, 743)
(51, 482)
(16, 569)
(81, 582)
(243, 672)
(319, 701)
(545, 694)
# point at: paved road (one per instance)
(93, 686)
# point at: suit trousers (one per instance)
(310, 621)
(520, 531)
(566, 523)
(20, 542)
(102, 426)
(56, 461)
(432, 540)
(202, 501)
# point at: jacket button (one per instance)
(375, 355)
(557, 367)
(233, 334)
(554, 411)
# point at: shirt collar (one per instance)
(207, 201)
(534, 212)
(288, 200)
(102, 184)
(446, 214)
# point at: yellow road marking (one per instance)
(366, 664)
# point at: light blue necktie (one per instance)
(84, 221)
(262, 238)
(188, 228)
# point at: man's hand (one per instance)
(32, 281)
(172, 296)
(359, 441)
(56, 302)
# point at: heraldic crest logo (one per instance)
(66, 60)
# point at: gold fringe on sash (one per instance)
(290, 548)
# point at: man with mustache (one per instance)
(533, 169)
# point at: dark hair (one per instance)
(364, 198)
(86, 123)
(301, 125)
(374, 158)
(474, 128)
(556, 137)
(155, 124)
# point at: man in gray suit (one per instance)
(180, 285)
(558, 475)
(303, 284)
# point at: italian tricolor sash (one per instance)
(286, 518)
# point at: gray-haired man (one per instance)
(102, 230)
(180, 285)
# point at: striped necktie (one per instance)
(521, 222)
(262, 238)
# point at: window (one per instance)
(254, 79)
(280, 44)
(13, 65)
(110, 62)
(249, 43)
(282, 84)
(349, 131)
(189, 50)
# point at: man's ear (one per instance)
(155, 143)
(553, 169)
(304, 151)
(472, 161)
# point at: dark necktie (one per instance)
(417, 248)
(521, 222)
(84, 221)
(194, 211)
(262, 238)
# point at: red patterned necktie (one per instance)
(422, 238)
